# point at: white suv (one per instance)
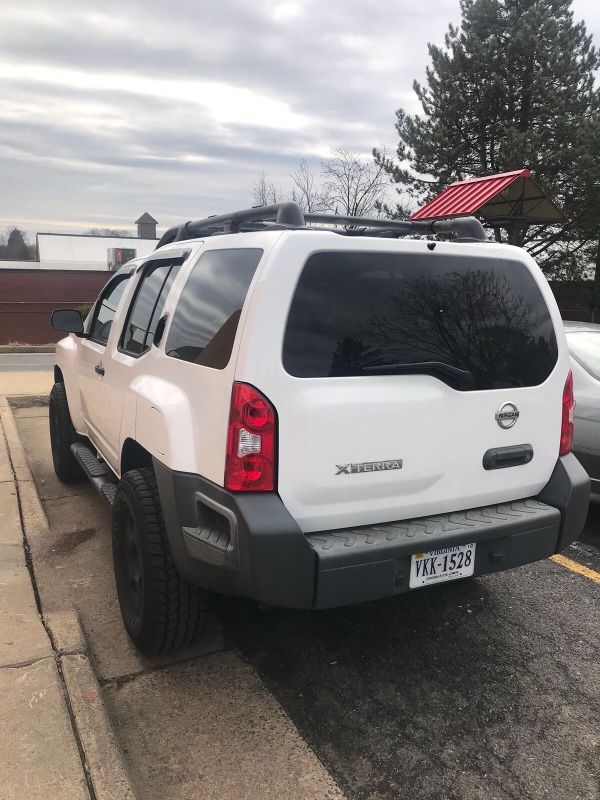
(315, 416)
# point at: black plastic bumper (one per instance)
(250, 545)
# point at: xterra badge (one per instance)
(368, 466)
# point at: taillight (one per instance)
(250, 461)
(568, 411)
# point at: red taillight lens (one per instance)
(568, 411)
(250, 460)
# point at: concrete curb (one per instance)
(105, 764)
(102, 762)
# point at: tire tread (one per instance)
(176, 609)
(66, 465)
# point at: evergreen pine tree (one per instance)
(512, 87)
(16, 249)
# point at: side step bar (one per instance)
(97, 471)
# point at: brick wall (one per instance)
(28, 297)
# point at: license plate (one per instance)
(445, 564)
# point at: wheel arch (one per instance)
(134, 456)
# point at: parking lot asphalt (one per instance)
(486, 688)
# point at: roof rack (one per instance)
(289, 216)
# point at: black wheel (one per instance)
(161, 611)
(62, 436)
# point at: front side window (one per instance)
(207, 314)
(106, 309)
(474, 323)
(147, 305)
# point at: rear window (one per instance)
(207, 314)
(473, 323)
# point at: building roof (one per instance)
(97, 236)
(146, 218)
(498, 199)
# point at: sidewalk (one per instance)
(56, 741)
(15, 383)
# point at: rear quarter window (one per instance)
(485, 321)
(209, 308)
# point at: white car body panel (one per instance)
(587, 409)
(178, 411)
(586, 434)
(440, 434)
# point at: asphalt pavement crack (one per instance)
(121, 680)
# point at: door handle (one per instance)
(99, 369)
(502, 457)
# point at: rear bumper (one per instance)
(250, 545)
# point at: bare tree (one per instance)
(264, 191)
(353, 186)
(108, 232)
(306, 192)
(347, 185)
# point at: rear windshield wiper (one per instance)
(461, 377)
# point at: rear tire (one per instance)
(161, 611)
(62, 436)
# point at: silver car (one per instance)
(583, 339)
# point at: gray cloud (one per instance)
(108, 109)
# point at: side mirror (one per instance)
(68, 320)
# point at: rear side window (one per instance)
(147, 305)
(209, 308)
(473, 323)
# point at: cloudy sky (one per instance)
(111, 108)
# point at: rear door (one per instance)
(132, 344)
(399, 370)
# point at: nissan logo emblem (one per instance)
(507, 415)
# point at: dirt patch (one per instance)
(67, 542)
(28, 401)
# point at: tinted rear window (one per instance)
(207, 314)
(473, 323)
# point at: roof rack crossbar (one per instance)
(405, 226)
(465, 228)
(281, 213)
(290, 215)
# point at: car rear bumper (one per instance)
(248, 544)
